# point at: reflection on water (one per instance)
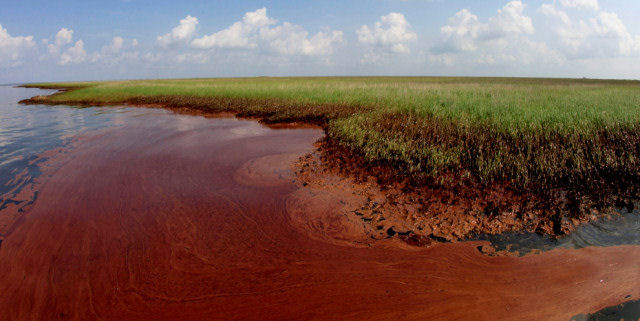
(27, 131)
(629, 311)
(618, 230)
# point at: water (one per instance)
(629, 311)
(618, 230)
(26, 131)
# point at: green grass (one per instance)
(530, 133)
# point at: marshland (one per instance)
(319, 160)
(571, 145)
(192, 212)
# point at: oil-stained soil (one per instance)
(181, 217)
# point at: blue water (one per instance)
(26, 131)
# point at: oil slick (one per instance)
(169, 216)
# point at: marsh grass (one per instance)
(530, 133)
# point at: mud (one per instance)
(414, 206)
(451, 210)
(179, 217)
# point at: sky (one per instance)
(132, 39)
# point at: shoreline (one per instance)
(453, 206)
(425, 214)
(229, 231)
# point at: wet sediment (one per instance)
(452, 206)
(173, 217)
(450, 210)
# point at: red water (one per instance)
(177, 217)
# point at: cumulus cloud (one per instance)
(115, 46)
(609, 26)
(73, 55)
(181, 34)
(68, 52)
(63, 37)
(290, 39)
(581, 4)
(510, 20)
(462, 32)
(465, 32)
(117, 51)
(12, 49)
(241, 34)
(503, 38)
(392, 32)
(257, 31)
(604, 35)
(551, 11)
(64, 54)
(390, 35)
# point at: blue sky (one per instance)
(87, 40)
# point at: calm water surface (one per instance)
(619, 230)
(28, 131)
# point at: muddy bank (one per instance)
(451, 210)
(452, 206)
(179, 217)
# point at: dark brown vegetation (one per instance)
(148, 221)
(560, 146)
(454, 207)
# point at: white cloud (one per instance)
(116, 51)
(257, 31)
(608, 25)
(604, 35)
(392, 32)
(570, 35)
(570, 38)
(62, 38)
(551, 11)
(390, 35)
(462, 32)
(239, 34)
(510, 20)
(290, 39)
(115, 46)
(73, 55)
(581, 4)
(465, 32)
(12, 49)
(181, 34)
(504, 38)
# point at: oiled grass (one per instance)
(529, 133)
